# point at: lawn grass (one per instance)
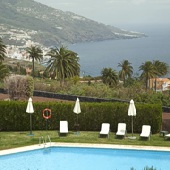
(18, 139)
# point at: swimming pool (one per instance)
(78, 158)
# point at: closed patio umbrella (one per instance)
(77, 110)
(132, 112)
(30, 110)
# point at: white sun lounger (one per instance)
(121, 129)
(146, 131)
(63, 127)
(105, 129)
(167, 136)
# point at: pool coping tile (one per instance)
(109, 146)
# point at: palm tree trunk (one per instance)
(124, 80)
(155, 84)
(33, 67)
(146, 84)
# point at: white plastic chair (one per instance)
(146, 131)
(105, 129)
(121, 129)
(63, 127)
(167, 136)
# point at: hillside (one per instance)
(23, 20)
(12, 62)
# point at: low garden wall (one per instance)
(82, 98)
(74, 97)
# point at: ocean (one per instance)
(94, 56)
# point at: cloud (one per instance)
(65, 3)
(138, 2)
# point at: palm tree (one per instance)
(63, 63)
(2, 50)
(148, 71)
(161, 69)
(35, 53)
(4, 71)
(109, 76)
(126, 71)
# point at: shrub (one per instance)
(14, 116)
(19, 87)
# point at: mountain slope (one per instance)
(49, 26)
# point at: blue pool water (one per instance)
(69, 158)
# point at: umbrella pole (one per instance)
(132, 125)
(77, 125)
(30, 124)
(77, 118)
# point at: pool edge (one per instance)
(88, 145)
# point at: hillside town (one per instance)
(17, 41)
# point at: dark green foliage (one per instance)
(4, 71)
(14, 116)
(109, 76)
(2, 50)
(148, 114)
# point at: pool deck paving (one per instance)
(108, 146)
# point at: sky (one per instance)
(117, 12)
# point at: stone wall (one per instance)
(73, 97)
(82, 98)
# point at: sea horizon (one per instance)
(94, 56)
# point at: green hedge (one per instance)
(14, 117)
